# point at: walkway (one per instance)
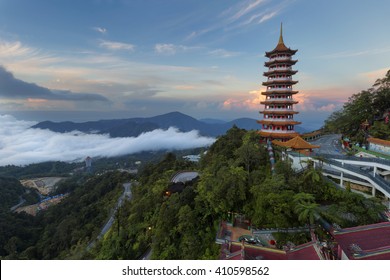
(348, 165)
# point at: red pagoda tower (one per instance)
(278, 115)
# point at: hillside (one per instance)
(371, 106)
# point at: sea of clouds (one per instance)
(21, 145)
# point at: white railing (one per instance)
(280, 79)
(279, 89)
(280, 99)
(277, 131)
(280, 58)
(279, 68)
(279, 109)
(277, 120)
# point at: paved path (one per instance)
(21, 201)
(330, 144)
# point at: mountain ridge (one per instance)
(132, 127)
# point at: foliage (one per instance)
(10, 190)
(50, 168)
(372, 105)
(63, 230)
(234, 177)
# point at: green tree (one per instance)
(306, 211)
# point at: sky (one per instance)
(100, 59)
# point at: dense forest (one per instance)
(10, 190)
(63, 230)
(234, 177)
(371, 105)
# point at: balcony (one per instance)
(278, 131)
(280, 58)
(279, 89)
(279, 79)
(280, 100)
(280, 68)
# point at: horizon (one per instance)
(120, 59)
(64, 116)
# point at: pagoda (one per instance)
(278, 115)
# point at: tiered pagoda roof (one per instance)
(278, 122)
(280, 47)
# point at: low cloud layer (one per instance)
(21, 145)
(13, 88)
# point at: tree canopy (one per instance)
(372, 105)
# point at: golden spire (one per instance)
(281, 34)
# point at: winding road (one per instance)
(127, 195)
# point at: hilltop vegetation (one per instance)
(63, 230)
(234, 177)
(372, 105)
(10, 190)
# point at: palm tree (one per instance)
(303, 198)
(307, 211)
(312, 177)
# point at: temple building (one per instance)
(278, 115)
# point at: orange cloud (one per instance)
(250, 103)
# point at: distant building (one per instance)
(192, 158)
(88, 164)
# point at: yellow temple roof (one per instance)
(296, 143)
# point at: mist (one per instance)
(21, 145)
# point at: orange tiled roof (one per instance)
(379, 141)
(278, 122)
(278, 135)
(296, 143)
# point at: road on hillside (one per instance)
(330, 144)
(127, 195)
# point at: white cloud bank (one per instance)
(21, 145)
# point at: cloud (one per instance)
(242, 14)
(21, 145)
(311, 102)
(100, 30)
(223, 53)
(165, 49)
(198, 33)
(117, 46)
(268, 16)
(246, 102)
(185, 87)
(246, 8)
(13, 88)
(351, 53)
(170, 49)
(14, 49)
(372, 76)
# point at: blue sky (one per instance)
(95, 59)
